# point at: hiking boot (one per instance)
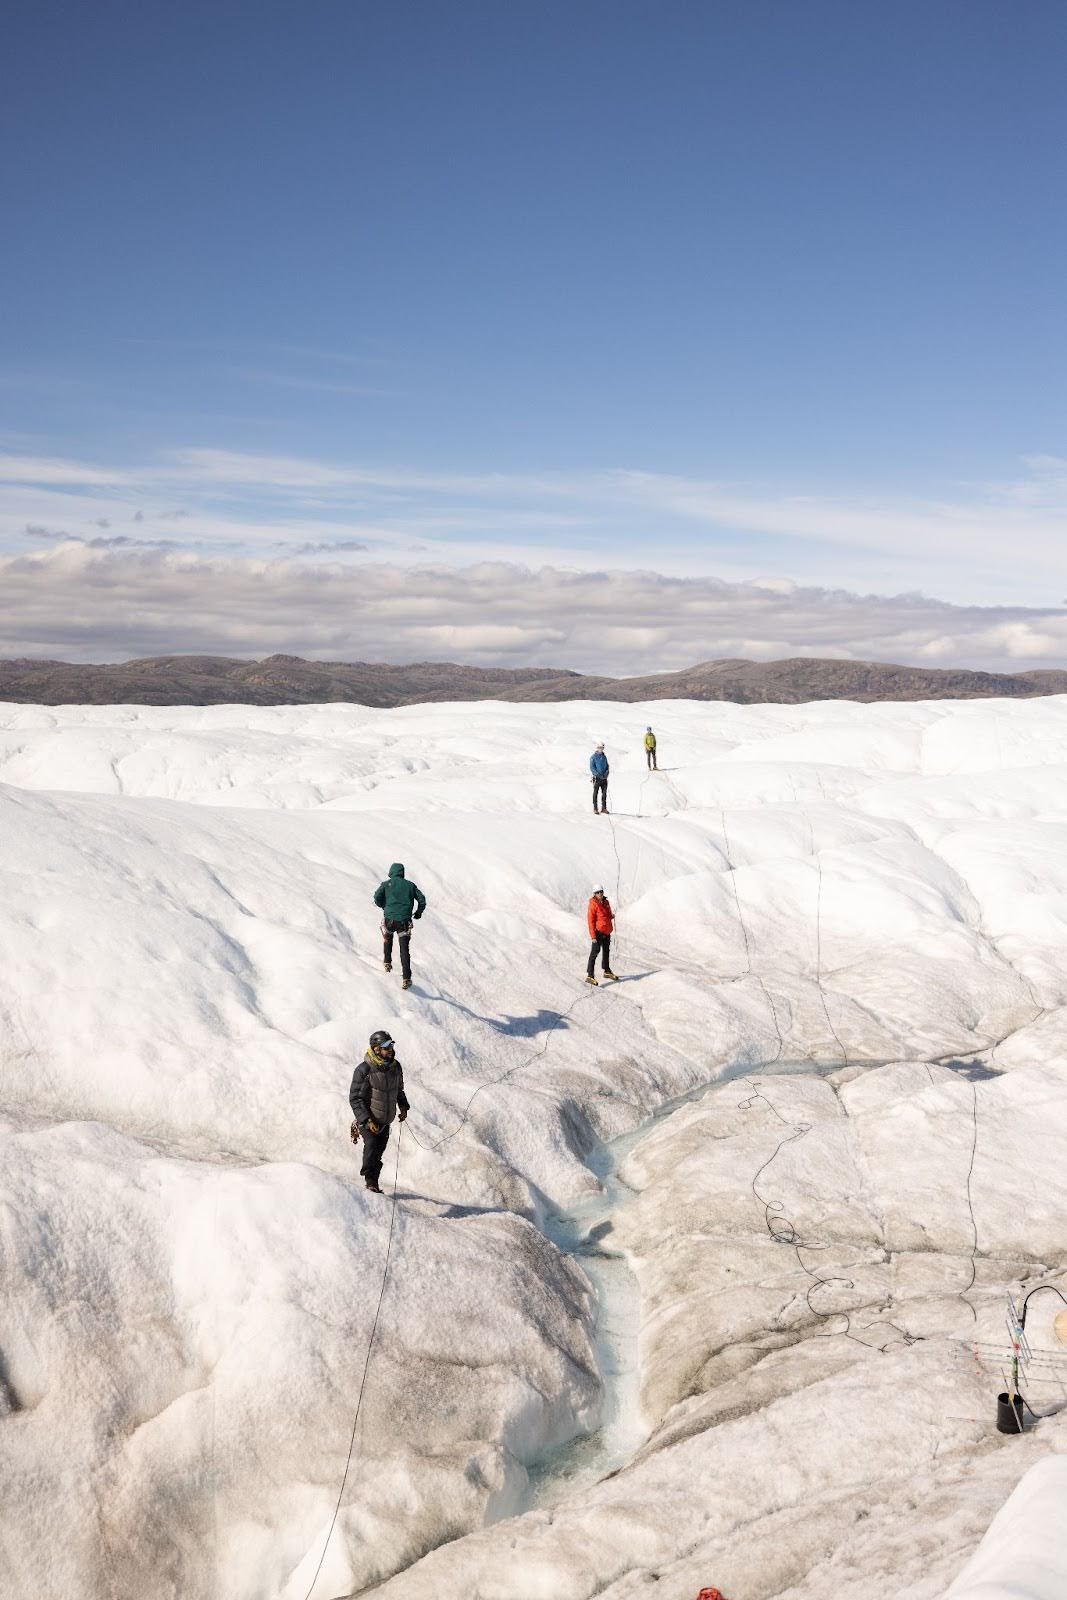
(590, 979)
(406, 983)
(388, 965)
(611, 976)
(373, 1187)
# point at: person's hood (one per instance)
(397, 869)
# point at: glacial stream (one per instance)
(584, 1231)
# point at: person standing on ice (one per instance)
(598, 766)
(601, 923)
(397, 899)
(650, 750)
(377, 1097)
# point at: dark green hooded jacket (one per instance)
(397, 897)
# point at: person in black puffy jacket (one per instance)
(377, 1098)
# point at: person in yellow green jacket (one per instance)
(650, 750)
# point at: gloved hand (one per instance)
(401, 1116)
(418, 914)
(373, 1126)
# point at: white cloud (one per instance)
(983, 542)
(88, 603)
(977, 523)
(49, 470)
(285, 380)
(643, 512)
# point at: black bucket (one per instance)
(1009, 1413)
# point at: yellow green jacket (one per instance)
(650, 741)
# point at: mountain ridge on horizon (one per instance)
(287, 680)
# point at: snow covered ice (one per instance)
(841, 935)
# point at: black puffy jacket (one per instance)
(377, 1090)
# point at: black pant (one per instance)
(601, 943)
(404, 930)
(651, 754)
(600, 787)
(373, 1153)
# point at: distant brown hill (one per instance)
(289, 680)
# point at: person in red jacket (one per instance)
(601, 922)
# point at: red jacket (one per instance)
(599, 916)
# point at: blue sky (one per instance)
(721, 291)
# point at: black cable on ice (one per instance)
(366, 1364)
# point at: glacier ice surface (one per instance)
(841, 930)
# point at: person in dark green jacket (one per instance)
(398, 899)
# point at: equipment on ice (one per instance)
(1036, 1365)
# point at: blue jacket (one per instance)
(598, 764)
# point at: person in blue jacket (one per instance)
(598, 766)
